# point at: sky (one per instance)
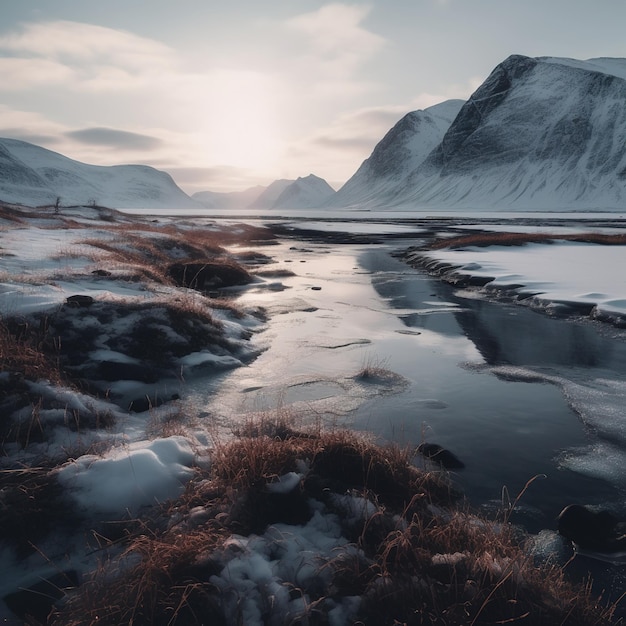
(228, 95)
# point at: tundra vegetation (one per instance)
(242, 544)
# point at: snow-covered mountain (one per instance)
(304, 193)
(398, 154)
(539, 133)
(35, 176)
(272, 192)
(230, 199)
(307, 192)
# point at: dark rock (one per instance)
(101, 273)
(79, 301)
(205, 275)
(316, 288)
(437, 454)
(112, 371)
(601, 531)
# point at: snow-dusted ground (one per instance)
(326, 323)
(553, 275)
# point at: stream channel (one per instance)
(513, 392)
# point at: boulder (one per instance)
(79, 301)
(597, 531)
(437, 454)
(206, 275)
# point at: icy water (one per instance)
(513, 393)
(521, 398)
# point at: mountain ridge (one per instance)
(539, 133)
(30, 174)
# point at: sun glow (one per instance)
(239, 120)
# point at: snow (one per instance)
(129, 477)
(558, 273)
(603, 65)
(34, 176)
(304, 193)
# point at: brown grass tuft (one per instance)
(21, 353)
(519, 239)
(419, 559)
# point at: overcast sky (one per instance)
(225, 95)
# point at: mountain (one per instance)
(304, 193)
(228, 200)
(35, 176)
(539, 133)
(272, 192)
(398, 154)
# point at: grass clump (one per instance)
(402, 548)
(519, 239)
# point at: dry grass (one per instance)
(32, 504)
(373, 368)
(22, 353)
(518, 239)
(420, 560)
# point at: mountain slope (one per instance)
(228, 200)
(32, 175)
(304, 193)
(272, 192)
(539, 133)
(397, 155)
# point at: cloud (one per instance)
(449, 92)
(335, 32)
(114, 138)
(336, 150)
(359, 130)
(75, 41)
(79, 56)
(329, 48)
(17, 74)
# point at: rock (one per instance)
(210, 274)
(437, 454)
(79, 301)
(589, 530)
(101, 273)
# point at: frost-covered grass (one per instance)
(323, 528)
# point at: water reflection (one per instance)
(513, 335)
(505, 429)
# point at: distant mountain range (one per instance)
(35, 176)
(540, 134)
(307, 192)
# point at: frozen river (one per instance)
(512, 392)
